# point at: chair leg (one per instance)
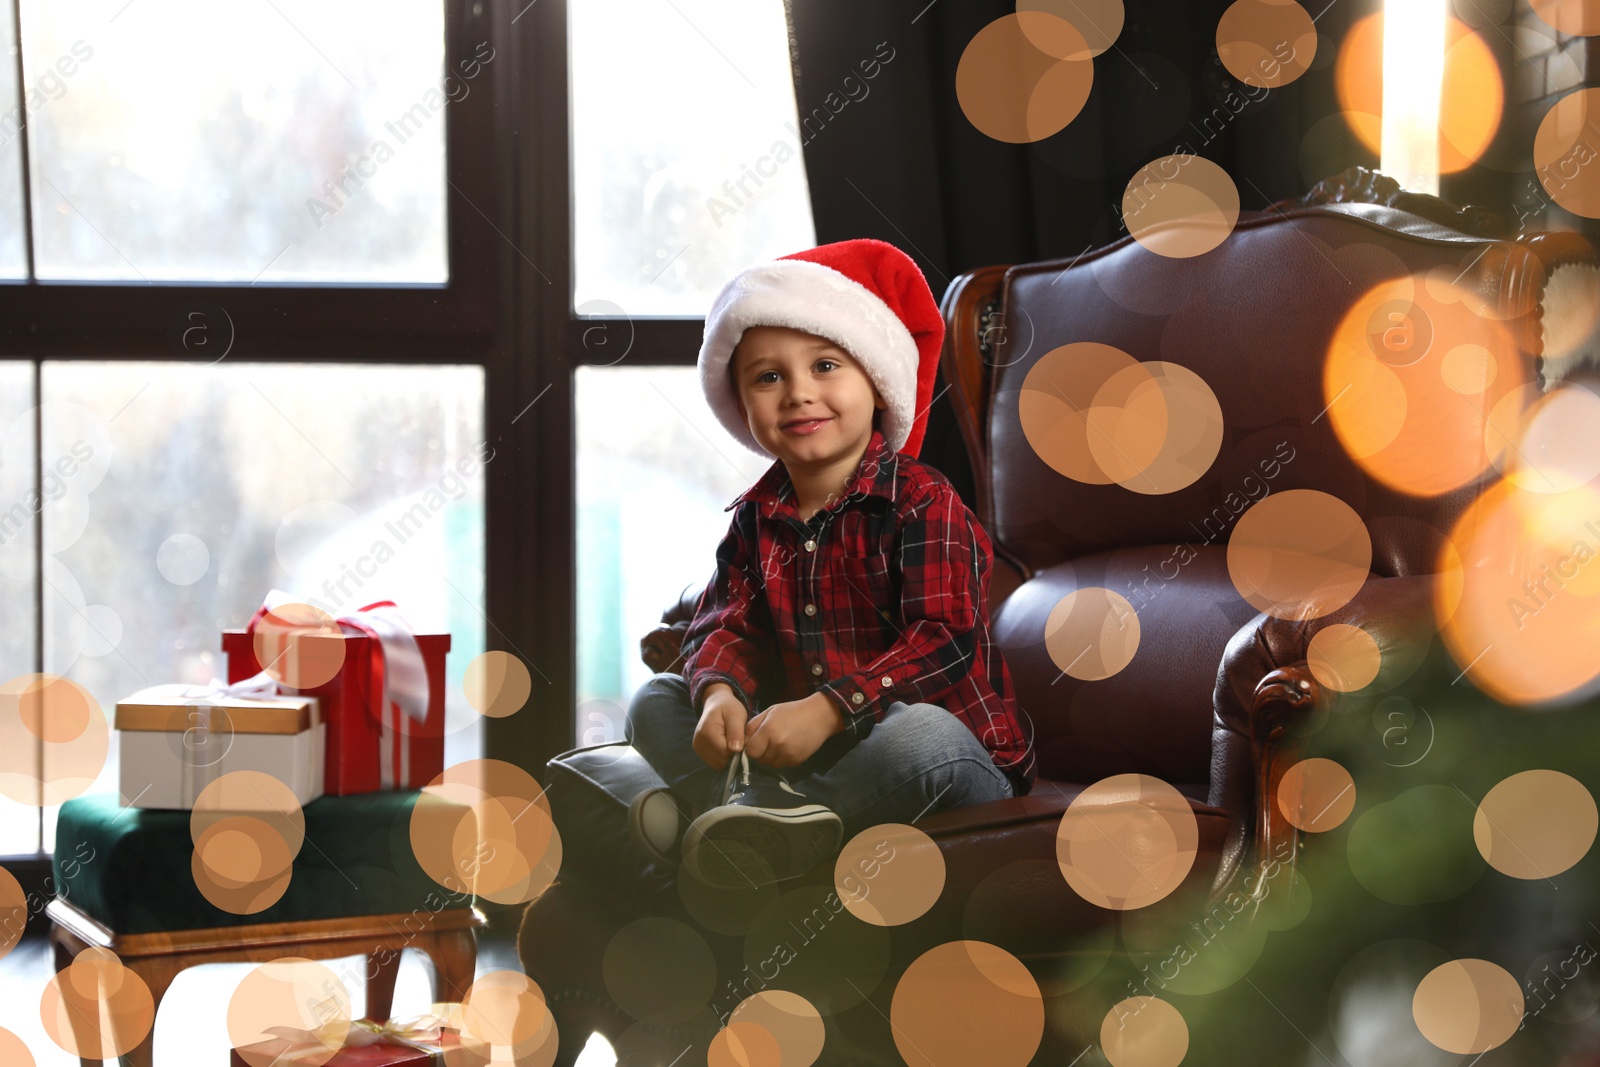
(383, 967)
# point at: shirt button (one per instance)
(886, 681)
(856, 698)
(816, 668)
(811, 546)
(811, 609)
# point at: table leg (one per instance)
(157, 973)
(383, 967)
(455, 959)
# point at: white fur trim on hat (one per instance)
(819, 300)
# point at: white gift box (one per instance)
(175, 743)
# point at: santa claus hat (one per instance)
(865, 296)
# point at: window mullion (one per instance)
(38, 575)
(22, 133)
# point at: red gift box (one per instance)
(280, 1051)
(369, 747)
(382, 1054)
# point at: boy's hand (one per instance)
(720, 732)
(789, 733)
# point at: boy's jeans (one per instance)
(918, 760)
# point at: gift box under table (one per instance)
(383, 1054)
(368, 747)
(173, 746)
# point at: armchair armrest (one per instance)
(1267, 699)
(662, 648)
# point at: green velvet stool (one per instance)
(123, 881)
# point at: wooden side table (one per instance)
(447, 938)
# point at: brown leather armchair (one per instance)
(1213, 697)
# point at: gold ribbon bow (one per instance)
(419, 1032)
(423, 1032)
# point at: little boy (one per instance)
(839, 670)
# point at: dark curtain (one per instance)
(890, 154)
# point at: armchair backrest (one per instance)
(1096, 473)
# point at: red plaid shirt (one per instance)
(882, 596)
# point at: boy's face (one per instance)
(804, 398)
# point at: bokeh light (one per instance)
(299, 645)
(889, 874)
(1316, 794)
(95, 1008)
(484, 827)
(497, 684)
(1092, 633)
(1266, 43)
(1098, 416)
(1299, 554)
(1127, 841)
(1536, 824)
(791, 1020)
(247, 828)
(744, 1044)
(1557, 443)
(293, 998)
(13, 1052)
(13, 911)
(1144, 1032)
(1468, 1006)
(1100, 21)
(1519, 599)
(1343, 658)
(1580, 18)
(506, 1010)
(53, 739)
(1025, 76)
(967, 1002)
(1413, 372)
(1563, 152)
(1180, 206)
(1057, 405)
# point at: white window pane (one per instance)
(19, 587)
(686, 160)
(13, 253)
(648, 448)
(207, 486)
(295, 141)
